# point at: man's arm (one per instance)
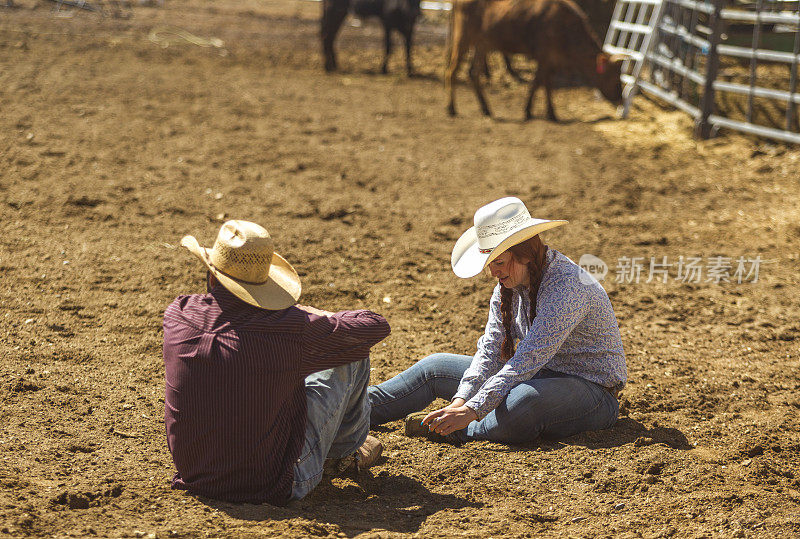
(334, 339)
(313, 310)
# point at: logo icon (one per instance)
(594, 269)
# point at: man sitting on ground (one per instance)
(259, 390)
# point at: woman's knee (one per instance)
(434, 359)
(443, 363)
(430, 365)
(443, 367)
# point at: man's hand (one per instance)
(313, 310)
(451, 418)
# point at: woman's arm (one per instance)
(561, 307)
(486, 361)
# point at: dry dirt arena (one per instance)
(113, 145)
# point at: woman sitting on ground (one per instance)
(562, 376)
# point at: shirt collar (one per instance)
(228, 301)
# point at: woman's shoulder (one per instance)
(562, 273)
(560, 266)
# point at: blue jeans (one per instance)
(551, 404)
(337, 421)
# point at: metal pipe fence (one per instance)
(728, 63)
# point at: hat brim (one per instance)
(281, 289)
(468, 261)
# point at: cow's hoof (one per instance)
(330, 62)
(451, 110)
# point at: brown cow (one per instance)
(555, 33)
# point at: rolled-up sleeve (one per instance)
(344, 337)
(557, 315)
(486, 361)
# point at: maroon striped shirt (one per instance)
(234, 402)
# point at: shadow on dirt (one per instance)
(540, 118)
(630, 431)
(399, 75)
(391, 502)
(626, 431)
(433, 77)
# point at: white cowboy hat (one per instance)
(244, 262)
(498, 225)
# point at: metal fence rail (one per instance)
(729, 64)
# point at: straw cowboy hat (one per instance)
(498, 226)
(244, 262)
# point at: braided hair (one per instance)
(534, 250)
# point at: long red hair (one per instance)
(534, 250)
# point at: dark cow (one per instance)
(555, 33)
(400, 15)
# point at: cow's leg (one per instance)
(511, 71)
(387, 39)
(333, 14)
(475, 66)
(484, 70)
(548, 89)
(458, 48)
(408, 34)
(535, 83)
(474, 75)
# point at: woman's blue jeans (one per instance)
(551, 404)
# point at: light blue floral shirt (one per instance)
(574, 332)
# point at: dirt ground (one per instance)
(114, 145)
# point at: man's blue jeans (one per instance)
(337, 421)
(551, 404)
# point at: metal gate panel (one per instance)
(717, 60)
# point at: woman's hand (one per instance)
(451, 418)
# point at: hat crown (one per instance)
(243, 251)
(494, 221)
